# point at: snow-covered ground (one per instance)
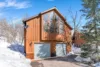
(75, 50)
(12, 55)
(96, 64)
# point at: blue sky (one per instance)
(15, 10)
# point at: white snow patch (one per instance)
(70, 53)
(99, 48)
(12, 55)
(76, 50)
(80, 59)
(96, 64)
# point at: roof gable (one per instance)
(47, 11)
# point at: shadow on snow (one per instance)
(17, 48)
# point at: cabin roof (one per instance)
(52, 9)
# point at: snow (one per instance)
(12, 55)
(80, 59)
(99, 48)
(76, 50)
(96, 64)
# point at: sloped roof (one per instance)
(52, 9)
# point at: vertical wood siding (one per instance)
(35, 33)
(68, 34)
(32, 35)
(53, 47)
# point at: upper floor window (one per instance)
(52, 23)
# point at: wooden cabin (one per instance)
(78, 40)
(46, 35)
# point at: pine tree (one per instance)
(85, 50)
(91, 30)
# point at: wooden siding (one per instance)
(68, 34)
(78, 39)
(53, 47)
(34, 33)
(33, 30)
(68, 48)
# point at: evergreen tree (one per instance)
(85, 50)
(91, 10)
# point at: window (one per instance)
(53, 23)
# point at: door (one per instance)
(60, 49)
(41, 50)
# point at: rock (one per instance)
(96, 64)
(80, 59)
(95, 57)
(86, 59)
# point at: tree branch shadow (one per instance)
(42, 52)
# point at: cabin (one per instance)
(78, 40)
(47, 35)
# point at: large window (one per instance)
(53, 23)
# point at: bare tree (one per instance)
(7, 30)
(20, 32)
(76, 23)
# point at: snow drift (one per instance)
(12, 55)
(76, 50)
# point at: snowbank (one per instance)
(99, 48)
(76, 50)
(96, 64)
(80, 59)
(12, 55)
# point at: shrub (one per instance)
(85, 48)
